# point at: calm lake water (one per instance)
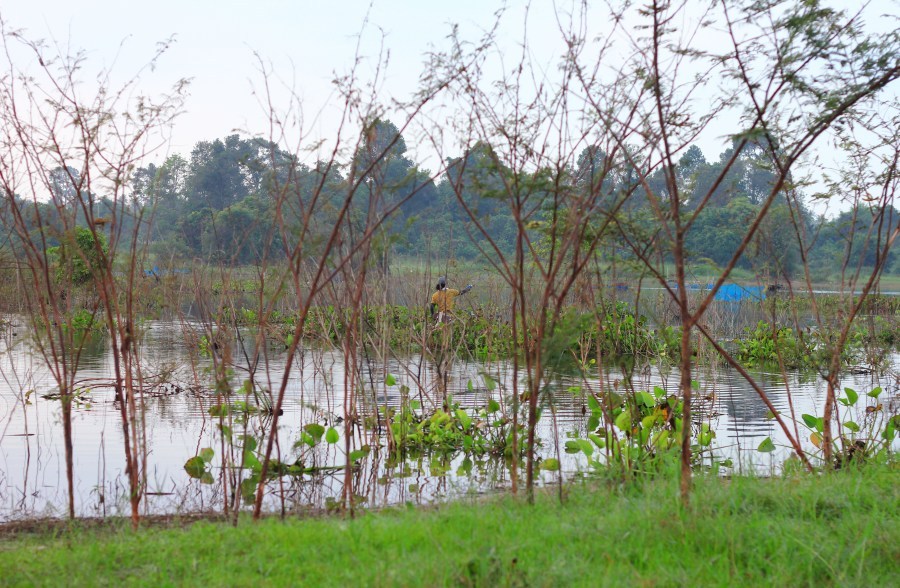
(178, 426)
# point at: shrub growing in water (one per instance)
(77, 256)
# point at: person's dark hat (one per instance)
(442, 283)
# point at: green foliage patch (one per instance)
(613, 331)
(836, 530)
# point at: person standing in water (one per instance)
(443, 300)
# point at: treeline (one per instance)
(220, 204)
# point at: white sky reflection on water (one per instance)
(32, 482)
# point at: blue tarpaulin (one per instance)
(737, 293)
(730, 292)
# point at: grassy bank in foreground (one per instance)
(842, 529)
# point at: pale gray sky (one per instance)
(306, 42)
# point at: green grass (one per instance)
(841, 530)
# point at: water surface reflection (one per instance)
(179, 425)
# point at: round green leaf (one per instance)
(852, 426)
(248, 487)
(360, 453)
(195, 467)
(250, 460)
(315, 430)
(645, 398)
(464, 419)
(766, 446)
(623, 421)
(332, 435)
(661, 438)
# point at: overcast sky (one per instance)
(306, 43)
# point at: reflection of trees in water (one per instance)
(743, 404)
(807, 394)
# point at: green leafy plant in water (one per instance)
(637, 432)
(864, 431)
(484, 336)
(82, 321)
(886, 331)
(811, 349)
(622, 332)
(198, 467)
(487, 432)
(762, 344)
(204, 345)
(239, 410)
(78, 398)
(249, 457)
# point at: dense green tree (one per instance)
(241, 233)
(719, 230)
(848, 236)
(223, 172)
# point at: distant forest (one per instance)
(219, 204)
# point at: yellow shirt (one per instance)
(445, 299)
